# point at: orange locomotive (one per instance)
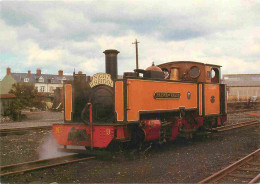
(152, 105)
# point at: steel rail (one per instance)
(232, 124)
(256, 179)
(40, 164)
(20, 130)
(235, 125)
(235, 166)
(243, 110)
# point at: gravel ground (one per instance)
(242, 117)
(34, 117)
(41, 118)
(22, 148)
(46, 115)
(179, 161)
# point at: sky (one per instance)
(68, 35)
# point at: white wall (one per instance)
(48, 88)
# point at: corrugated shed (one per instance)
(240, 80)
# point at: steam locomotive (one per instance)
(153, 105)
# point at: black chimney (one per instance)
(111, 62)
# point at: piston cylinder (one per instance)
(151, 129)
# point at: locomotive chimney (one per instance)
(111, 62)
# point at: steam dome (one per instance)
(154, 68)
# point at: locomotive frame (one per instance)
(145, 109)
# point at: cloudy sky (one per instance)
(54, 35)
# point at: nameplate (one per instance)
(166, 95)
(101, 78)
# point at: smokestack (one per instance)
(38, 71)
(8, 71)
(60, 72)
(29, 73)
(111, 62)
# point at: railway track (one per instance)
(40, 164)
(245, 170)
(241, 110)
(235, 125)
(46, 163)
(11, 131)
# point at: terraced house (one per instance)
(45, 83)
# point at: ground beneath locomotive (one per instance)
(179, 161)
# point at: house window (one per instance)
(63, 79)
(51, 89)
(42, 89)
(26, 80)
(41, 79)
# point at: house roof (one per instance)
(34, 78)
(2, 96)
(238, 80)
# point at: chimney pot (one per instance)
(111, 62)
(80, 72)
(38, 71)
(60, 72)
(8, 71)
(29, 73)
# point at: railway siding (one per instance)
(40, 164)
(245, 170)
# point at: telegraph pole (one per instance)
(136, 52)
